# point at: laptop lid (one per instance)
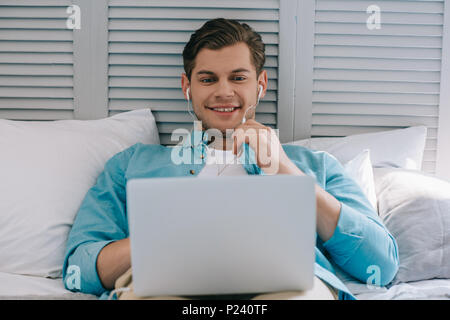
(228, 235)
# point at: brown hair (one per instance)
(218, 33)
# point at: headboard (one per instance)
(330, 73)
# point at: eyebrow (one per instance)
(240, 70)
(212, 73)
(205, 72)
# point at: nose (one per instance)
(224, 90)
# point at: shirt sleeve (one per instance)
(101, 219)
(361, 245)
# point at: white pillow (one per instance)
(321, 144)
(401, 148)
(360, 169)
(46, 168)
(415, 208)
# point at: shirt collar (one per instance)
(197, 140)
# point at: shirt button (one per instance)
(192, 171)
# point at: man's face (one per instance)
(224, 80)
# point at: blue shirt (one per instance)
(359, 245)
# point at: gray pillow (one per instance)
(415, 208)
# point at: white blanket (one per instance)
(435, 289)
(13, 286)
(29, 287)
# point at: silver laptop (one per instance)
(219, 236)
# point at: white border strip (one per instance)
(443, 138)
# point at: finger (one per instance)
(237, 139)
(265, 148)
(241, 136)
(234, 136)
(252, 122)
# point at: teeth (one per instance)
(225, 109)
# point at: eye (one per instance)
(239, 78)
(207, 80)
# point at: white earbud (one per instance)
(260, 91)
(187, 94)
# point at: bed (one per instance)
(20, 287)
(38, 205)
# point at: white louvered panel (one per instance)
(187, 12)
(179, 25)
(36, 60)
(160, 71)
(346, 130)
(44, 81)
(22, 69)
(378, 52)
(376, 109)
(169, 127)
(386, 30)
(261, 4)
(170, 139)
(375, 97)
(167, 122)
(163, 36)
(35, 114)
(159, 93)
(181, 116)
(377, 64)
(373, 120)
(36, 35)
(160, 82)
(54, 9)
(184, 116)
(39, 46)
(157, 59)
(391, 18)
(21, 23)
(171, 105)
(378, 41)
(377, 86)
(381, 79)
(146, 40)
(167, 48)
(377, 75)
(28, 104)
(401, 6)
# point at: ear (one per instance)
(185, 84)
(262, 81)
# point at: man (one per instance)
(224, 79)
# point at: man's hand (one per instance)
(270, 156)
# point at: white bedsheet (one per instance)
(13, 286)
(435, 289)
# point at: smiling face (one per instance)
(223, 85)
